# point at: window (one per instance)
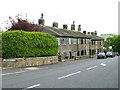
(85, 52)
(85, 41)
(78, 41)
(96, 42)
(64, 41)
(78, 53)
(58, 41)
(74, 41)
(81, 40)
(92, 42)
(82, 52)
(69, 41)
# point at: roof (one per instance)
(59, 32)
(64, 33)
(94, 38)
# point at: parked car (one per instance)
(101, 55)
(110, 54)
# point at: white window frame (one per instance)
(58, 41)
(74, 41)
(70, 41)
(64, 41)
(78, 41)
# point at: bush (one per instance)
(17, 44)
(0, 45)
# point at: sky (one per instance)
(99, 15)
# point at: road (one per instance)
(86, 73)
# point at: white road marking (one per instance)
(20, 71)
(35, 68)
(103, 64)
(31, 68)
(69, 75)
(13, 73)
(91, 67)
(32, 86)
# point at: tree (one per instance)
(114, 42)
(23, 24)
(107, 43)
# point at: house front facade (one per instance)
(74, 44)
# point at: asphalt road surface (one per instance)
(85, 73)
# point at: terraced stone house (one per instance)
(74, 44)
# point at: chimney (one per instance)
(84, 32)
(79, 28)
(41, 15)
(41, 20)
(92, 33)
(88, 33)
(55, 24)
(96, 33)
(65, 26)
(73, 26)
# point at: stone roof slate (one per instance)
(59, 32)
(64, 33)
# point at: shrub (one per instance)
(0, 45)
(17, 44)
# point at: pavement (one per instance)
(85, 73)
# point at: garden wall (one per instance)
(31, 61)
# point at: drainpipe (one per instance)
(89, 49)
(77, 47)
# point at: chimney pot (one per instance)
(84, 32)
(55, 24)
(88, 33)
(42, 15)
(96, 33)
(41, 20)
(92, 33)
(79, 27)
(65, 26)
(73, 26)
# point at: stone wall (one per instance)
(31, 61)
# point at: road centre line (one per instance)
(91, 67)
(20, 72)
(68, 75)
(31, 86)
(13, 73)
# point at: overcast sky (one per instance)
(100, 15)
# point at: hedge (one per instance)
(17, 44)
(0, 45)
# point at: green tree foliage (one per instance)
(18, 44)
(107, 43)
(114, 42)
